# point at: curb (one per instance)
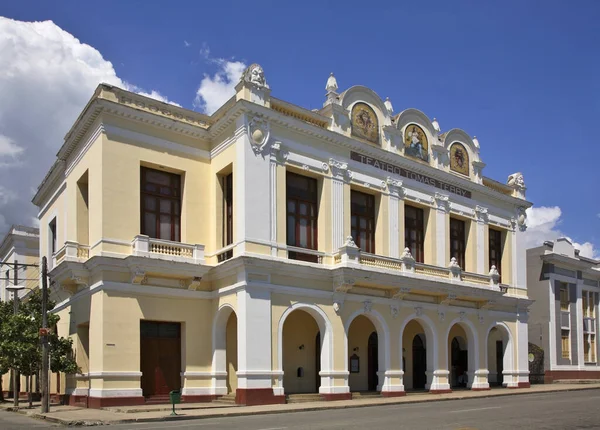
(331, 406)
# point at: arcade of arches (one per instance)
(434, 356)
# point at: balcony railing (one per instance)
(145, 246)
(71, 251)
(350, 253)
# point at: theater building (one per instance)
(269, 250)
(564, 316)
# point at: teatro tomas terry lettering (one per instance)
(390, 168)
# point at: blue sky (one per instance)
(521, 75)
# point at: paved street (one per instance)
(14, 421)
(566, 410)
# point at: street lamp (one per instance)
(15, 289)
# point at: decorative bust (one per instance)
(516, 180)
(255, 75)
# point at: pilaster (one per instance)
(519, 247)
(254, 348)
(522, 341)
(441, 233)
(339, 172)
(396, 193)
(481, 215)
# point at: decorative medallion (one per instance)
(459, 159)
(259, 131)
(364, 123)
(415, 142)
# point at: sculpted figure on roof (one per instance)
(255, 75)
(516, 180)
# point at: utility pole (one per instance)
(16, 375)
(44, 336)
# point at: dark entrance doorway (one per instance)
(460, 364)
(419, 363)
(373, 362)
(499, 362)
(318, 360)
(160, 357)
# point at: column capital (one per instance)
(395, 187)
(481, 214)
(442, 202)
(339, 169)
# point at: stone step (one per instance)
(303, 398)
(577, 381)
(227, 399)
(158, 399)
(365, 394)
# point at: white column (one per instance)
(252, 167)
(254, 339)
(579, 327)
(441, 234)
(522, 341)
(396, 192)
(481, 215)
(275, 148)
(519, 255)
(339, 171)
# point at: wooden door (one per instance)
(317, 362)
(160, 357)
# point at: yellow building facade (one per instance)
(268, 250)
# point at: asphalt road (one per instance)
(565, 410)
(14, 421)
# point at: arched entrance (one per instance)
(231, 351)
(500, 356)
(225, 348)
(462, 353)
(416, 346)
(459, 362)
(300, 351)
(363, 355)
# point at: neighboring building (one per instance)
(20, 245)
(268, 249)
(564, 317)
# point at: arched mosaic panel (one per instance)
(459, 159)
(364, 123)
(415, 142)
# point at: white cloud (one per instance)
(543, 224)
(215, 90)
(187, 44)
(8, 148)
(46, 78)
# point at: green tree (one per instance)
(20, 345)
(6, 312)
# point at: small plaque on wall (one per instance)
(354, 364)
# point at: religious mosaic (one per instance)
(364, 123)
(459, 159)
(415, 142)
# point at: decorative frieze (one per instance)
(305, 163)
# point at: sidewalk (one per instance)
(73, 416)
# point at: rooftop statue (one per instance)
(254, 74)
